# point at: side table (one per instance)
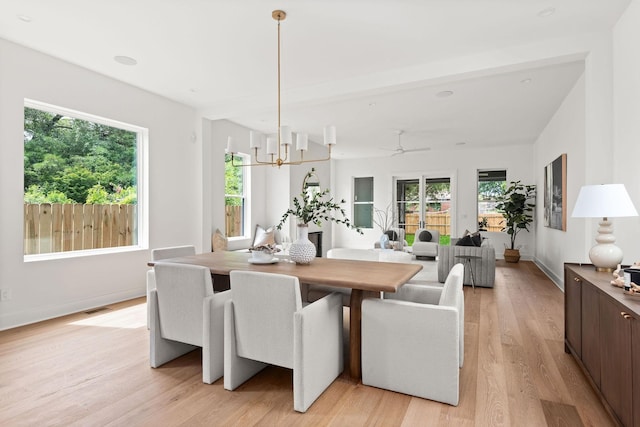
(467, 262)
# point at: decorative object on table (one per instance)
(555, 194)
(385, 220)
(624, 277)
(517, 209)
(274, 146)
(604, 201)
(313, 207)
(263, 253)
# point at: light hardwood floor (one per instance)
(92, 369)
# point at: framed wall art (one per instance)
(555, 194)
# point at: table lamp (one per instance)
(604, 201)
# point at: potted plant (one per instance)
(517, 209)
(313, 207)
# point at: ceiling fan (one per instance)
(401, 150)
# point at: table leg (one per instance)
(355, 334)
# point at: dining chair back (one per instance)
(185, 314)
(266, 324)
(160, 254)
(423, 360)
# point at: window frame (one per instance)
(478, 181)
(142, 181)
(356, 202)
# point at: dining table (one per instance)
(364, 278)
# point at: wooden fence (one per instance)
(233, 223)
(58, 227)
(441, 221)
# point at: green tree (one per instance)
(68, 156)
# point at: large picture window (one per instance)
(81, 181)
(235, 195)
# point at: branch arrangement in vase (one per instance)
(314, 207)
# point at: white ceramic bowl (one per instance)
(261, 256)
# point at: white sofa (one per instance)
(312, 293)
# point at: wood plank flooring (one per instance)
(92, 369)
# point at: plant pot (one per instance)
(302, 251)
(512, 255)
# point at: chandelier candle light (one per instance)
(277, 148)
(604, 201)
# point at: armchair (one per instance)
(185, 314)
(423, 360)
(265, 323)
(426, 243)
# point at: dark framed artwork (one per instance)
(555, 194)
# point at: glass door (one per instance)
(424, 202)
(437, 206)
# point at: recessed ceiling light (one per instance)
(460, 143)
(444, 93)
(125, 60)
(24, 18)
(547, 12)
(372, 104)
(525, 81)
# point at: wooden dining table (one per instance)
(364, 278)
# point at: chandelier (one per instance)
(278, 148)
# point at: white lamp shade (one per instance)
(285, 135)
(302, 141)
(329, 135)
(603, 201)
(231, 146)
(255, 139)
(272, 146)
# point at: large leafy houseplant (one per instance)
(314, 207)
(516, 206)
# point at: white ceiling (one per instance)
(369, 67)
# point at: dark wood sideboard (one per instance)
(602, 332)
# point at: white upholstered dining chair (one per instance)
(265, 323)
(185, 314)
(413, 341)
(160, 254)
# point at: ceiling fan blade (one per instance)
(413, 150)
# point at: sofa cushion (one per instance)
(425, 236)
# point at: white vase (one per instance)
(302, 251)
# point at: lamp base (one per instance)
(605, 257)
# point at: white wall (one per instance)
(626, 126)
(271, 188)
(565, 133)
(44, 289)
(606, 104)
(462, 164)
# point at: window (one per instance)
(81, 181)
(235, 195)
(363, 202)
(491, 185)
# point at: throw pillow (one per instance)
(218, 241)
(465, 241)
(425, 236)
(393, 236)
(476, 238)
(263, 236)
